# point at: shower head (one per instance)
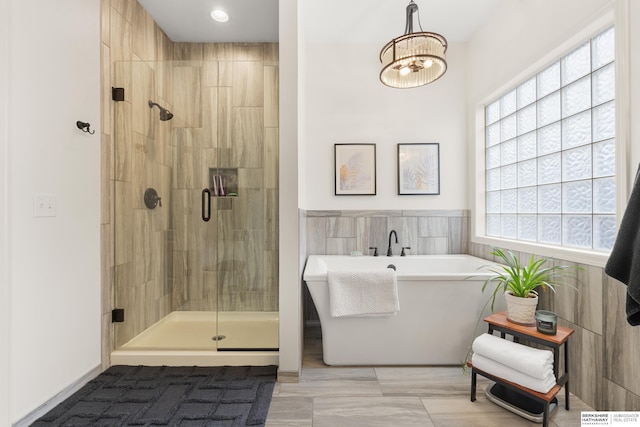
(164, 113)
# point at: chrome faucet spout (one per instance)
(392, 233)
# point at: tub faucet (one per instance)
(393, 233)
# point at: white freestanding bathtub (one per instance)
(440, 298)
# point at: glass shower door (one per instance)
(184, 127)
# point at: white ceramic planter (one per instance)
(521, 310)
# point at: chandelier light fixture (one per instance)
(413, 59)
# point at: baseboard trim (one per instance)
(28, 419)
(288, 376)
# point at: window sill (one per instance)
(593, 258)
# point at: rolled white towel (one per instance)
(542, 385)
(531, 361)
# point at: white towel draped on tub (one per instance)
(363, 293)
(531, 361)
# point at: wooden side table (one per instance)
(498, 322)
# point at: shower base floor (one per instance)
(186, 338)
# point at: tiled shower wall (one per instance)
(225, 103)
(129, 34)
(230, 92)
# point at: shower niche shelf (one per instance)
(223, 182)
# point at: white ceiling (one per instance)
(323, 21)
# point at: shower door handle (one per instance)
(206, 205)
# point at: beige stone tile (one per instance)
(122, 222)
(425, 381)
(210, 117)
(105, 97)
(271, 53)
(225, 140)
(225, 73)
(433, 245)
(105, 16)
(218, 51)
(106, 177)
(338, 373)
(271, 96)
(460, 411)
(272, 221)
(368, 234)
(617, 398)
(248, 81)
(587, 383)
(341, 227)
(290, 411)
(248, 137)
(120, 37)
(210, 73)
(433, 226)
(124, 7)
(271, 163)
(106, 264)
(122, 148)
(188, 51)
(342, 387)
(340, 245)
(187, 92)
(563, 418)
(248, 51)
(369, 412)
(141, 92)
(458, 235)
(589, 298)
(143, 37)
(316, 236)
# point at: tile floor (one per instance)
(392, 396)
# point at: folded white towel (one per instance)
(542, 385)
(531, 361)
(363, 293)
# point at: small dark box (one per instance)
(117, 93)
(117, 315)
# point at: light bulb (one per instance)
(219, 15)
(404, 70)
(428, 63)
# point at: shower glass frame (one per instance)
(167, 260)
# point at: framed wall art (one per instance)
(419, 168)
(355, 169)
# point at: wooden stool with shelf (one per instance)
(498, 322)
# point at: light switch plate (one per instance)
(44, 205)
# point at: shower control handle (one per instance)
(206, 205)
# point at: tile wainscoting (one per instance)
(432, 232)
(603, 348)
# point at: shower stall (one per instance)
(195, 208)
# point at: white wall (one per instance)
(289, 275)
(54, 280)
(345, 102)
(5, 307)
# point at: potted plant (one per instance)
(520, 284)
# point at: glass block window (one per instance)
(550, 153)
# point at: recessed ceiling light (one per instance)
(219, 15)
